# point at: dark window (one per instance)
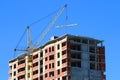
(52, 48)
(49, 49)
(64, 69)
(64, 61)
(46, 67)
(51, 57)
(41, 54)
(14, 66)
(45, 75)
(49, 66)
(58, 78)
(45, 50)
(58, 71)
(58, 46)
(41, 70)
(41, 62)
(14, 73)
(52, 65)
(58, 55)
(46, 59)
(58, 63)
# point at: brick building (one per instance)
(62, 58)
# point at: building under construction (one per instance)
(67, 57)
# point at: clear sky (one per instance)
(96, 18)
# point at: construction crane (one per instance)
(69, 25)
(51, 25)
(30, 46)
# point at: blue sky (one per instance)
(96, 18)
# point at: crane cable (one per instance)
(20, 39)
(30, 26)
(43, 18)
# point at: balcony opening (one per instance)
(64, 44)
(92, 57)
(35, 56)
(21, 62)
(76, 64)
(76, 56)
(64, 52)
(76, 47)
(51, 57)
(91, 42)
(21, 77)
(92, 49)
(92, 66)
(64, 61)
(35, 72)
(64, 69)
(35, 79)
(21, 69)
(35, 64)
(64, 78)
(51, 73)
(85, 41)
